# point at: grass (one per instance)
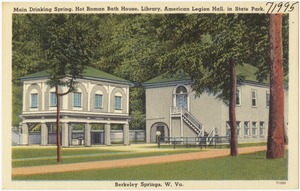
(241, 145)
(25, 152)
(243, 167)
(25, 156)
(22, 157)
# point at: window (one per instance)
(238, 128)
(34, 101)
(118, 102)
(267, 100)
(98, 101)
(254, 129)
(228, 129)
(77, 100)
(53, 100)
(246, 128)
(261, 128)
(238, 96)
(253, 95)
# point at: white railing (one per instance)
(176, 110)
(195, 124)
(211, 135)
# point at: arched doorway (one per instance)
(181, 96)
(159, 126)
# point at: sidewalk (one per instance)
(130, 162)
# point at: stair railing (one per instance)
(199, 126)
(211, 136)
(195, 124)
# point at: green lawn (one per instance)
(243, 167)
(241, 145)
(22, 157)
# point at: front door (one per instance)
(181, 100)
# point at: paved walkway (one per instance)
(130, 162)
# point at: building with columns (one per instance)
(101, 98)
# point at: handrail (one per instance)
(183, 112)
(190, 115)
(210, 136)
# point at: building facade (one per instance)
(100, 98)
(174, 109)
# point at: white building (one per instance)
(173, 109)
(101, 98)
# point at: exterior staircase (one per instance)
(189, 119)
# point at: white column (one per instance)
(107, 134)
(87, 135)
(127, 100)
(43, 97)
(108, 97)
(24, 94)
(126, 134)
(44, 134)
(181, 122)
(65, 135)
(88, 96)
(170, 125)
(25, 134)
(70, 134)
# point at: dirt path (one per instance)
(130, 162)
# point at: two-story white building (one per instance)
(174, 109)
(101, 98)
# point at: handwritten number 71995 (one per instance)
(277, 7)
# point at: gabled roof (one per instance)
(246, 70)
(88, 73)
(179, 77)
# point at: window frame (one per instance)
(34, 104)
(119, 104)
(100, 106)
(181, 98)
(238, 128)
(254, 129)
(75, 101)
(262, 127)
(228, 132)
(238, 97)
(267, 99)
(247, 129)
(51, 99)
(254, 98)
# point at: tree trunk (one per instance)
(232, 103)
(59, 158)
(275, 146)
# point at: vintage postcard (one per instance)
(150, 95)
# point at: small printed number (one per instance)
(277, 7)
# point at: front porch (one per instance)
(70, 135)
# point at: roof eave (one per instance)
(164, 84)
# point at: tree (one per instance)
(68, 50)
(26, 59)
(203, 46)
(131, 49)
(275, 146)
(232, 104)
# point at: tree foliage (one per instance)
(139, 47)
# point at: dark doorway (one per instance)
(97, 138)
(161, 128)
